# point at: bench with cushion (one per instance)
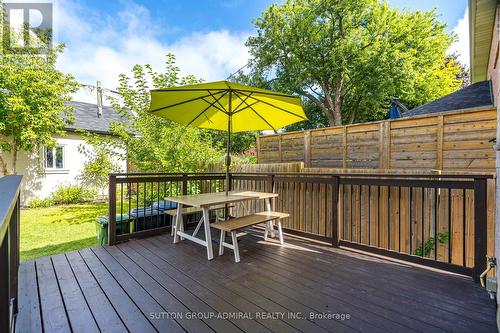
(233, 225)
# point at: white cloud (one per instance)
(100, 47)
(461, 46)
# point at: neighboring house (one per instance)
(50, 168)
(477, 96)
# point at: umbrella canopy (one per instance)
(213, 105)
(227, 106)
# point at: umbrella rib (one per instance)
(184, 102)
(198, 89)
(277, 107)
(242, 101)
(267, 93)
(251, 108)
(208, 107)
(223, 109)
(215, 106)
(246, 107)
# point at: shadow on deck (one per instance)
(150, 285)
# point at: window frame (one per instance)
(54, 154)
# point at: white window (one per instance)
(54, 157)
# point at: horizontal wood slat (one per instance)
(450, 141)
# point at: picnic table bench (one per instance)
(235, 224)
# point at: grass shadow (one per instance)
(58, 248)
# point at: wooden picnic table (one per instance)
(207, 200)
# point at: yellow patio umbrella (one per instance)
(227, 106)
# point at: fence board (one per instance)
(450, 141)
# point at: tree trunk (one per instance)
(3, 165)
(334, 104)
(14, 158)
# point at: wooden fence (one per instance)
(452, 141)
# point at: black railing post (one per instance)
(9, 249)
(4, 285)
(14, 253)
(335, 213)
(112, 210)
(184, 184)
(480, 227)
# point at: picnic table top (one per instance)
(211, 199)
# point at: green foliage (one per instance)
(99, 162)
(350, 57)
(38, 203)
(248, 157)
(72, 194)
(429, 244)
(240, 142)
(31, 113)
(155, 144)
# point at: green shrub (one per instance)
(38, 203)
(442, 238)
(73, 194)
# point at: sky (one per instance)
(106, 38)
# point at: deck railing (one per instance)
(433, 220)
(9, 250)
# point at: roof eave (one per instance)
(481, 24)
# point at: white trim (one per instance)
(55, 170)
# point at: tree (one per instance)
(34, 109)
(350, 57)
(99, 162)
(152, 143)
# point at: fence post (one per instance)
(480, 227)
(257, 149)
(184, 184)
(335, 213)
(271, 183)
(307, 149)
(112, 210)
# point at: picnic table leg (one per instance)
(208, 235)
(270, 224)
(178, 221)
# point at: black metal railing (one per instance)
(136, 201)
(9, 250)
(434, 220)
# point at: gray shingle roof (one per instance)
(86, 118)
(476, 95)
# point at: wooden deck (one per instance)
(151, 285)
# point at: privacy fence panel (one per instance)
(452, 141)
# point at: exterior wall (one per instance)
(40, 183)
(494, 64)
(494, 76)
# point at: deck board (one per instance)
(104, 314)
(54, 316)
(29, 320)
(132, 286)
(77, 309)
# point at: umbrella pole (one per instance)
(228, 156)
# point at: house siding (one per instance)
(493, 63)
(41, 183)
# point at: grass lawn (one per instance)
(57, 229)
